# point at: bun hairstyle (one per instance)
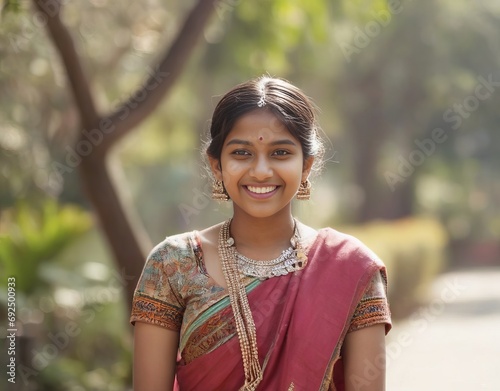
(287, 102)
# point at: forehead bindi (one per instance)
(260, 127)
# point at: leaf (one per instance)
(13, 6)
(35, 236)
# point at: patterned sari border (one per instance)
(215, 308)
(213, 327)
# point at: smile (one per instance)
(261, 190)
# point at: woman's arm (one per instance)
(364, 359)
(155, 355)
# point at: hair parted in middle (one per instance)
(287, 102)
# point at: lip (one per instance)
(261, 195)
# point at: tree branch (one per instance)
(161, 80)
(64, 44)
(125, 234)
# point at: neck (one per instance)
(265, 233)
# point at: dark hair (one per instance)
(287, 102)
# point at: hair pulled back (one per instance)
(287, 102)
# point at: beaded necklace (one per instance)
(291, 259)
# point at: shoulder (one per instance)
(347, 247)
(179, 250)
(173, 251)
(210, 235)
(208, 240)
(172, 245)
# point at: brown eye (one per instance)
(240, 152)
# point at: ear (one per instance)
(215, 167)
(306, 167)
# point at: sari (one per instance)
(301, 321)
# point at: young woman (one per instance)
(261, 301)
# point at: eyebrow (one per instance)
(245, 142)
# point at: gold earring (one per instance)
(218, 192)
(304, 192)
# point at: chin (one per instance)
(264, 212)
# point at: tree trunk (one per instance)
(126, 235)
(367, 129)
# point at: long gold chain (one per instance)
(245, 325)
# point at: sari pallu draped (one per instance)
(301, 321)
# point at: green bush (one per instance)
(31, 236)
(414, 251)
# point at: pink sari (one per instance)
(301, 322)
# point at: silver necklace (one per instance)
(290, 260)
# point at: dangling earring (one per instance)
(304, 192)
(218, 192)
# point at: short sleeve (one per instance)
(156, 298)
(373, 307)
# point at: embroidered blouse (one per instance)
(175, 288)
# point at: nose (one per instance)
(261, 168)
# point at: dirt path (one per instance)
(453, 343)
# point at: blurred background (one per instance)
(104, 107)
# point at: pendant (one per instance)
(301, 258)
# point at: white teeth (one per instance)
(261, 190)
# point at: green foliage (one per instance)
(76, 329)
(98, 358)
(362, 11)
(11, 6)
(414, 252)
(263, 36)
(30, 237)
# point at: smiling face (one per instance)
(261, 165)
